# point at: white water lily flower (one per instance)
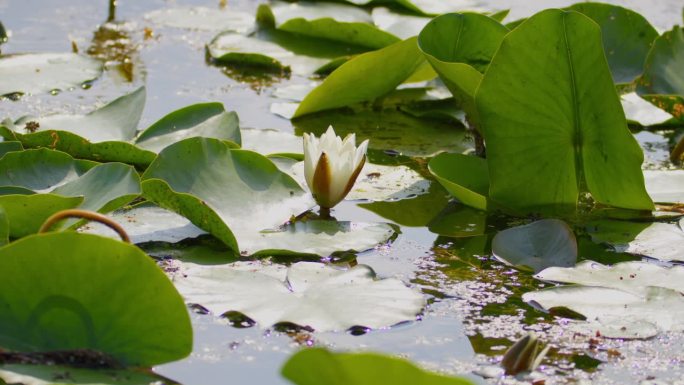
(331, 166)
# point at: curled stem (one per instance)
(84, 214)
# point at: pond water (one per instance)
(475, 311)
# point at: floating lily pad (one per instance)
(465, 177)
(633, 276)
(642, 112)
(105, 187)
(9, 146)
(379, 183)
(616, 309)
(78, 147)
(209, 120)
(26, 213)
(665, 186)
(627, 38)
(310, 294)
(203, 18)
(63, 291)
(275, 51)
(316, 238)
(663, 82)
(67, 375)
(538, 245)
(319, 366)
(391, 66)
(217, 188)
(44, 72)
(118, 120)
(336, 22)
(656, 240)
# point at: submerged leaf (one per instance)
(538, 245)
(313, 295)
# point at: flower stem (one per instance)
(324, 213)
(84, 214)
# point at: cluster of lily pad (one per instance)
(541, 97)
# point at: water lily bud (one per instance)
(524, 356)
(331, 166)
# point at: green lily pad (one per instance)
(329, 21)
(341, 88)
(104, 187)
(276, 51)
(465, 177)
(203, 19)
(627, 38)
(44, 72)
(655, 240)
(633, 276)
(460, 47)
(642, 112)
(663, 82)
(390, 130)
(9, 146)
(307, 294)
(63, 291)
(624, 314)
(208, 120)
(216, 188)
(67, 375)
(538, 245)
(78, 147)
(551, 117)
(318, 366)
(116, 121)
(665, 186)
(25, 214)
(4, 227)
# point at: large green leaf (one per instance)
(319, 366)
(222, 190)
(663, 80)
(465, 177)
(460, 47)
(69, 291)
(26, 212)
(208, 120)
(365, 77)
(627, 38)
(9, 146)
(118, 120)
(105, 187)
(552, 120)
(45, 72)
(336, 22)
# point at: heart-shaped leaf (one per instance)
(216, 188)
(465, 177)
(552, 120)
(63, 291)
